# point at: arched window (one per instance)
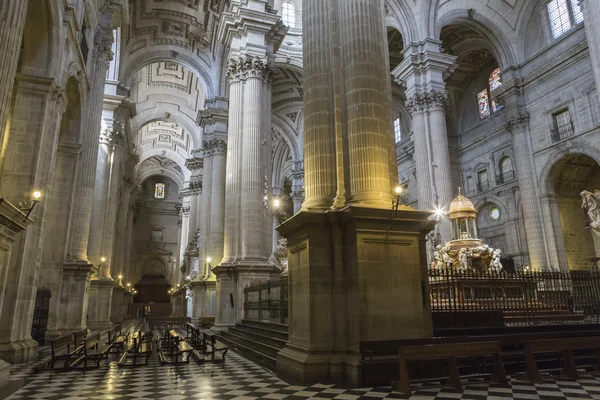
(288, 14)
(563, 15)
(485, 96)
(397, 130)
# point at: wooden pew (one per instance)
(168, 322)
(212, 346)
(64, 348)
(194, 336)
(449, 352)
(565, 346)
(206, 322)
(94, 349)
(116, 338)
(143, 348)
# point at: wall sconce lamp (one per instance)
(396, 202)
(34, 201)
(277, 210)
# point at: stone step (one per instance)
(242, 331)
(263, 331)
(265, 360)
(251, 343)
(274, 326)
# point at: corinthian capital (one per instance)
(103, 45)
(422, 102)
(214, 146)
(246, 67)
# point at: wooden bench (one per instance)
(212, 346)
(194, 335)
(94, 349)
(206, 322)
(142, 349)
(450, 352)
(565, 346)
(64, 348)
(117, 339)
(169, 322)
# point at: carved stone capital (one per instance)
(517, 122)
(214, 146)
(103, 46)
(239, 69)
(422, 102)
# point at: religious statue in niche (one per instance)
(591, 206)
(280, 256)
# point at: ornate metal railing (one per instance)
(267, 301)
(467, 299)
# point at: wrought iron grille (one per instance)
(512, 299)
(267, 301)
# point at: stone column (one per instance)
(234, 158)
(422, 73)
(518, 126)
(298, 185)
(100, 200)
(591, 16)
(366, 83)
(30, 160)
(205, 214)
(319, 122)
(84, 185)
(12, 23)
(217, 210)
(335, 301)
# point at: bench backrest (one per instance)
(92, 341)
(211, 338)
(59, 342)
(556, 345)
(446, 350)
(79, 336)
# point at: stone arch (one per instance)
(194, 63)
(149, 173)
(171, 155)
(40, 38)
(500, 47)
(566, 174)
(401, 17)
(155, 114)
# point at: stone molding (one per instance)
(103, 41)
(242, 68)
(422, 102)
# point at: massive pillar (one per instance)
(509, 94)
(337, 258)
(85, 182)
(30, 158)
(12, 23)
(422, 73)
(591, 16)
(251, 32)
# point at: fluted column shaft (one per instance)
(591, 16)
(422, 164)
(252, 211)
(82, 207)
(366, 90)
(108, 240)
(126, 269)
(217, 209)
(519, 128)
(192, 227)
(205, 227)
(12, 23)
(101, 189)
(232, 179)
(118, 264)
(441, 159)
(319, 128)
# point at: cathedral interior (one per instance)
(345, 199)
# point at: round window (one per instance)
(495, 213)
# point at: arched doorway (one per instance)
(568, 177)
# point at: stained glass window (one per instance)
(159, 191)
(495, 213)
(495, 82)
(484, 105)
(289, 14)
(397, 130)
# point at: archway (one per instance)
(568, 177)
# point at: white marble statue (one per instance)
(463, 259)
(279, 256)
(437, 264)
(495, 264)
(591, 205)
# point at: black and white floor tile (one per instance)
(242, 379)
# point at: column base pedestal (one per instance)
(201, 291)
(101, 290)
(74, 298)
(116, 309)
(19, 352)
(356, 275)
(4, 374)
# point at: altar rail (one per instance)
(486, 298)
(267, 301)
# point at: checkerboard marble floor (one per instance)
(239, 378)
